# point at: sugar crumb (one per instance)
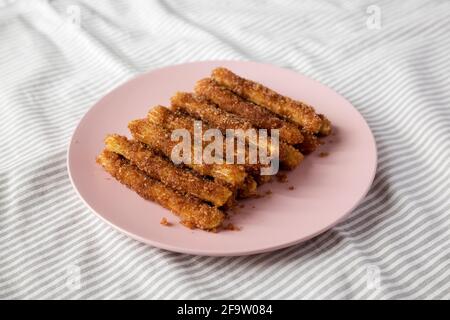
(165, 222)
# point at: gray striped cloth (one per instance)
(389, 58)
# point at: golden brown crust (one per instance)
(248, 189)
(325, 128)
(158, 138)
(296, 111)
(173, 120)
(256, 115)
(190, 209)
(260, 179)
(165, 171)
(201, 108)
(165, 222)
(290, 157)
(225, 101)
(310, 143)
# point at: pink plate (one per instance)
(326, 189)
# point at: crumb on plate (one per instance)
(165, 222)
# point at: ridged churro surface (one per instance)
(197, 107)
(191, 210)
(325, 128)
(165, 171)
(256, 115)
(202, 109)
(290, 157)
(296, 111)
(173, 120)
(159, 139)
(248, 189)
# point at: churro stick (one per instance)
(158, 138)
(191, 210)
(200, 108)
(165, 171)
(296, 111)
(256, 115)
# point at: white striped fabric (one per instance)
(389, 58)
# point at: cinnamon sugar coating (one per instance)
(310, 143)
(159, 139)
(202, 109)
(190, 209)
(296, 111)
(258, 116)
(162, 169)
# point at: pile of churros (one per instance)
(201, 194)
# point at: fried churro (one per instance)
(201, 108)
(190, 209)
(165, 171)
(296, 111)
(158, 138)
(254, 114)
